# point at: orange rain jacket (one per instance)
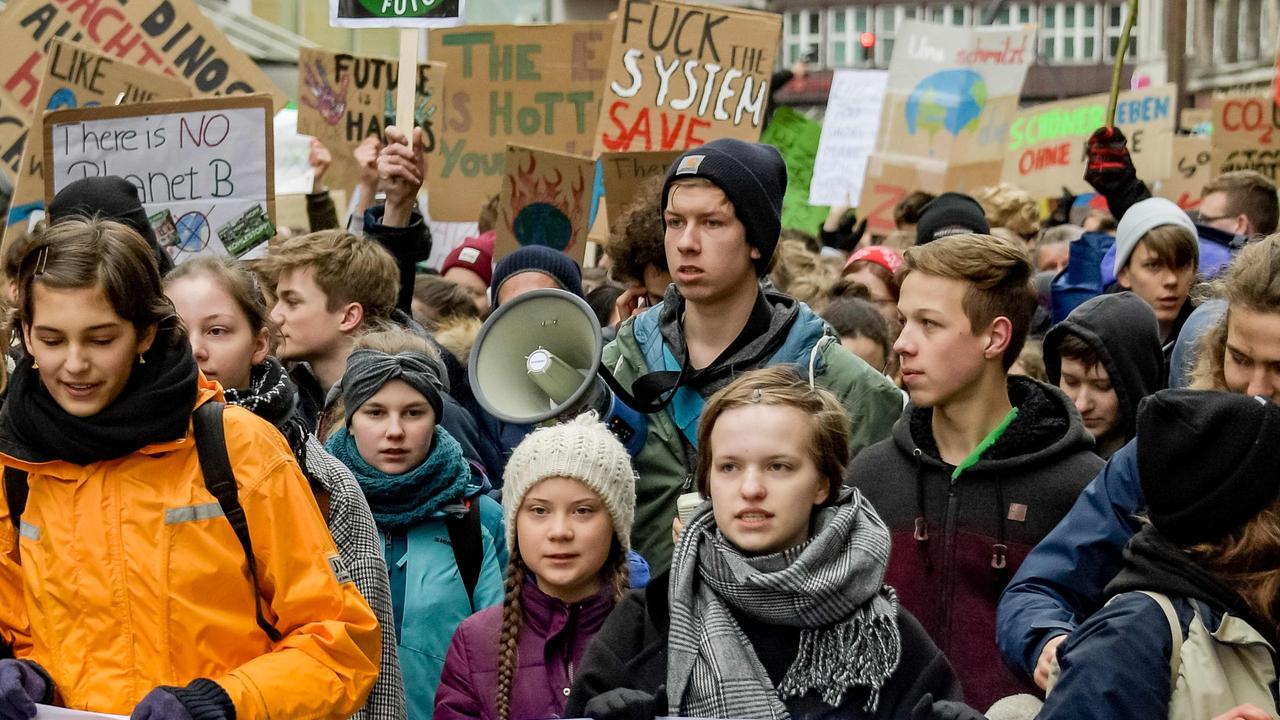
(125, 576)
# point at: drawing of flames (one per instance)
(546, 210)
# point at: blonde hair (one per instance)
(999, 277)
(1009, 207)
(1252, 282)
(802, 274)
(348, 268)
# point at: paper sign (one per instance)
(294, 174)
(1246, 134)
(546, 200)
(203, 167)
(396, 13)
(14, 121)
(796, 137)
(345, 98)
(1046, 150)
(48, 712)
(682, 74)
(625, 173)
(1192, 160)
(169, 36)
(537, 86)
(74, 77)
(849, 131)
(887, 183)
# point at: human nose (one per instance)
(1264, 383)
(277, 313)
(752, 484)
(687, 239)
(395, 426)
(198, 349)
(559, 528)
(77, 359)
(1083, 400)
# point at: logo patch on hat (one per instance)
(689, 164)
(469, 255)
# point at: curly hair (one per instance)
(1252, 282)
(1009, 207)
(637, 238)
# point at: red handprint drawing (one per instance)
(324, 99)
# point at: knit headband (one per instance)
(369, 370)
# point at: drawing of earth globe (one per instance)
(950, 100)
(541, 223)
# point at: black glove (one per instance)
(1061, 214)
(627, 704)
(22, 684)
(1110, 170)
(927, 709)
(201, 699)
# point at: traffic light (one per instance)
(868, 42)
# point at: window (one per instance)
(885, 49)
(813, 23)
(860, 23)
(793, 53)
(1046, 49)
(803, 31)
(1002, 17)
(1024, 14)
(937, 15)
(1089, 15)
(1050, 16)
(838, 55)
(1069, 19)
(840, 19)
(794, 24)
(1068, 48)
(1089, 50)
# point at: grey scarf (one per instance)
(832, 587)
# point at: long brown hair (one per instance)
(1251, 282)
(1248, 561)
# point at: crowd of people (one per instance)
(992, 465)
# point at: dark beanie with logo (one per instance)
(754, 178)
(108, 198)
(1208, 461)
(540, 259)
(951, 213)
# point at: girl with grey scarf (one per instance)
(776, 596)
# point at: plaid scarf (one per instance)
(832, 587)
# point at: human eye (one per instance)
(217, 331)
(584, 510)
(102, 341)
(49, 341)
(538, 510)
(675, 222)
(372, 412)
(779, 466)
(1102, 386)
(1238, 357)
(727, 467)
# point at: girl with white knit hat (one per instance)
(568, 503)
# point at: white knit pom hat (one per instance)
(582, 449)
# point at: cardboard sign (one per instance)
(849, 131)
(532, 85)
(1046, 151)
(169, 36)
(796, 137)
(396, 13)
(624, 173)
(1192, 155)
(1246, 134)
(14, 121)
(345, 98)
(75, 77)
(888, 182)
(682, 74)
(546, 200)
(203, 168)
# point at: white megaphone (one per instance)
(537, 358)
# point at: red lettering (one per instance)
(880, 219)
(92, 25)
(623, 140)
(669, 137)
(26, 76)
(1041, 158)
(691, 140)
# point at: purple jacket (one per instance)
(553, 638)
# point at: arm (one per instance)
(366, 157)
(1116, 665)
(15, 626)
(619, 658)
(397, 226)
(1062, 580)
(321, 213)
(456, 695)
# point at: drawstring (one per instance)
(922, 526)
(1000, 551)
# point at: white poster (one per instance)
(848, 136)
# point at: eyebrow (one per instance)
(548, 501)
(102, 326)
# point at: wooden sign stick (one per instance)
(1121, 51)
(407, 82)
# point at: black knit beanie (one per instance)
(538, 258)
(1208, 461)
(109, 198)
(950, 214)
(754, 178)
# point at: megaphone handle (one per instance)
(627, 397)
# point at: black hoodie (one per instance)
(1123, 330)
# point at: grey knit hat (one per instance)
(582, 449)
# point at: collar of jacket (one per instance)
(550, 617)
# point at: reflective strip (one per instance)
(29, 531)
(192, 513)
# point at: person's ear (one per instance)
(261, 346)
(352, 318)
(146, 339)
(1122, 277)
(1243, 226)
(755, 253)
(823, 492)
(999, 335)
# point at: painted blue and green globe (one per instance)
(948, 100)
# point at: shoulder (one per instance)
(256, 450)
(480, 631)
(1131, 629)
(877, 464)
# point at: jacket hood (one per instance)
(1123, 330)
(1048, 427)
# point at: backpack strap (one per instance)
(15, 493)
(464, 536)
(1175, 630)
(220, 481)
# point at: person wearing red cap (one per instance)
(470, 265)
(876, 268)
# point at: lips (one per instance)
(79, 390)
(753, 516)
(394, 453)
(909, 375)
(689, 272)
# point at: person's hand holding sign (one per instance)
(401, 169)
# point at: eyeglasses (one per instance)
(1204, 220)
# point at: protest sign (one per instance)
(74, 77)
(1246, 134)
(345, 98)
(169, 36)
(537, 86)
(14, 121)
(1046, 150)
(203, 167)
(396, 13)
(682, 74)
(796, 137)
(625, 173)
(1192, 155)
(848, 136)
(888, 182)
(294, 174)
(546, 200)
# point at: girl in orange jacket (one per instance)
(123, 589)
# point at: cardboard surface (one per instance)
(888, 182)
(796, 137)
(396, 13)
(681, 74)
(624, 173)
(203, 167)
(536, 85)
(1192, 168)
(1246, 134)
(14, 121)
(75, 76)
(344, 98)
(169, 36)
(546, 200)
(1046, 150)
(849, 131)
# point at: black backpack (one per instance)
(219, 480)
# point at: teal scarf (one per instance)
(405, 500)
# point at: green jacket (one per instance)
(666, 464)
